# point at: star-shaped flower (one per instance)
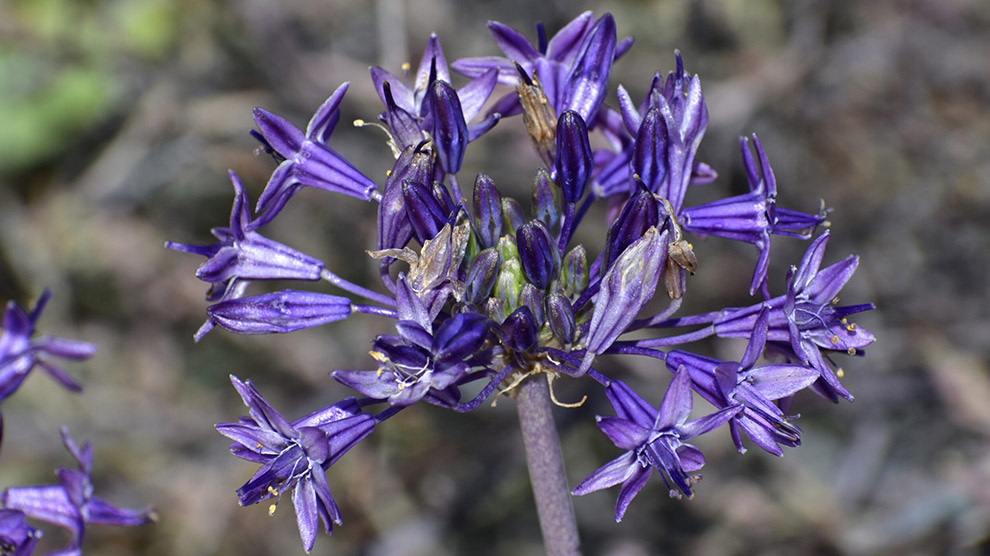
(755, 388)
(295, 455)
(410, 107)
(71, 504)
(806, 318)
(308, 159)
(654, 440)
(20, 353)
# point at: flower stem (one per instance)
(546, 468)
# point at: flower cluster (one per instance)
(69, 504)
(482, 290)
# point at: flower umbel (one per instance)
(485, 294)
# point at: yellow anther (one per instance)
(258, 445)
(840, 373)
(359, 123)
(851, 351)
(835, 339)
(272, 491)
(271, 509)
(843, 320)
(851, 326)
(405, 66)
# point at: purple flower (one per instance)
(755, 388)
(426, 213)
(17, 538)
(643, 211)
(408, 114)
(493, 294)
(626, 288)
(573, 163)
(653, 440)
(806, 318)
(417, 364)
(244, 254)
(309, 161)
(449, 129)
(415, 164)
(71, 503)
(573, 67)
(279, 312)
(752, 217)
(19, 353)
(295, 455)
(487, 210)
(538, 253)
(667, 128)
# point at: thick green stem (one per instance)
(546, 468)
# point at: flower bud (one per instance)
(546, 199)
(481, 277)
(649, 158)
(642, 212)
(510, 276)
(425, 214)
(560, 314)
(414, 164)
(574, 163)
(460, 336)
(532, 297)
(450, 134)
(574, 271)
(538, 253)
(519, 331)
(487, 210)
(512, 214)
(278, 312)
(627, 286)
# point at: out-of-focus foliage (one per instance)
(63, 67)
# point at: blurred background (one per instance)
(119, 120)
